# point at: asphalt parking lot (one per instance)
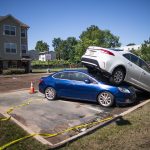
(43, 116)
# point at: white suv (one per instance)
(118, 65)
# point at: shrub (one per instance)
(52, 64)
(13, 71)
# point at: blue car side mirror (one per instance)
(87, 81)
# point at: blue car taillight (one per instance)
(40, 81)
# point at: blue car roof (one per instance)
(78, 70)
(103, 80)
(83, 71)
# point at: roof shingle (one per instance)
(21, 23)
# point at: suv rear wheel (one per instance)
(117, 76)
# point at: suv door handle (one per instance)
(129, 63)
(144, 73)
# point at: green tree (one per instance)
(57, 43)
(109, 40)
(93, 36)
(41, 46)
(72, 49)
(65, 49)
(97, 37)
(79, 51)
(145, 50)
(71, 42)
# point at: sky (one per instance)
(49, 19)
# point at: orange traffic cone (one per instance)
(31, 88)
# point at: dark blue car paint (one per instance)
(83, 91)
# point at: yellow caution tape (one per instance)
(12, 108)
(47, 135)
(16, 141)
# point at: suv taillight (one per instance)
(107, 52)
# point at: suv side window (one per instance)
(144, 66)
(135, 59)
(127, 56)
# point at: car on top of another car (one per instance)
(118, 66)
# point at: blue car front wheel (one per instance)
(105, 99)
(50, 93)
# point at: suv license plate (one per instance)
(91, 53)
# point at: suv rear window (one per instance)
(115, 49)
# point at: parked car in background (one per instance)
(119, 66)
(81, 85)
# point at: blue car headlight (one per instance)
(123, 90)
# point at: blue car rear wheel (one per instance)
(105, 99)
(50, 93)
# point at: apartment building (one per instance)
(13, 44)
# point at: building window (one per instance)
(10, 48)
(23, 32)
(9, 30)
(24, 49)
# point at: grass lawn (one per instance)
(131, 132)
(9, 131)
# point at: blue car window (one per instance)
(62, 75)
(57, 76)
(78, 76)
(65, 75)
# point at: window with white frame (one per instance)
(10, 48)
(24, 48)
(23, 32)
(9, 30)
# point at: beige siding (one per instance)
(11, 39)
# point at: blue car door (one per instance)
(63, 84)
(81, 89)
(64, 88)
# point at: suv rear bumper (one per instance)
(91, 63)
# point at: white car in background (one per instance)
(118, 65)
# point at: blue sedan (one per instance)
(82, 85)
